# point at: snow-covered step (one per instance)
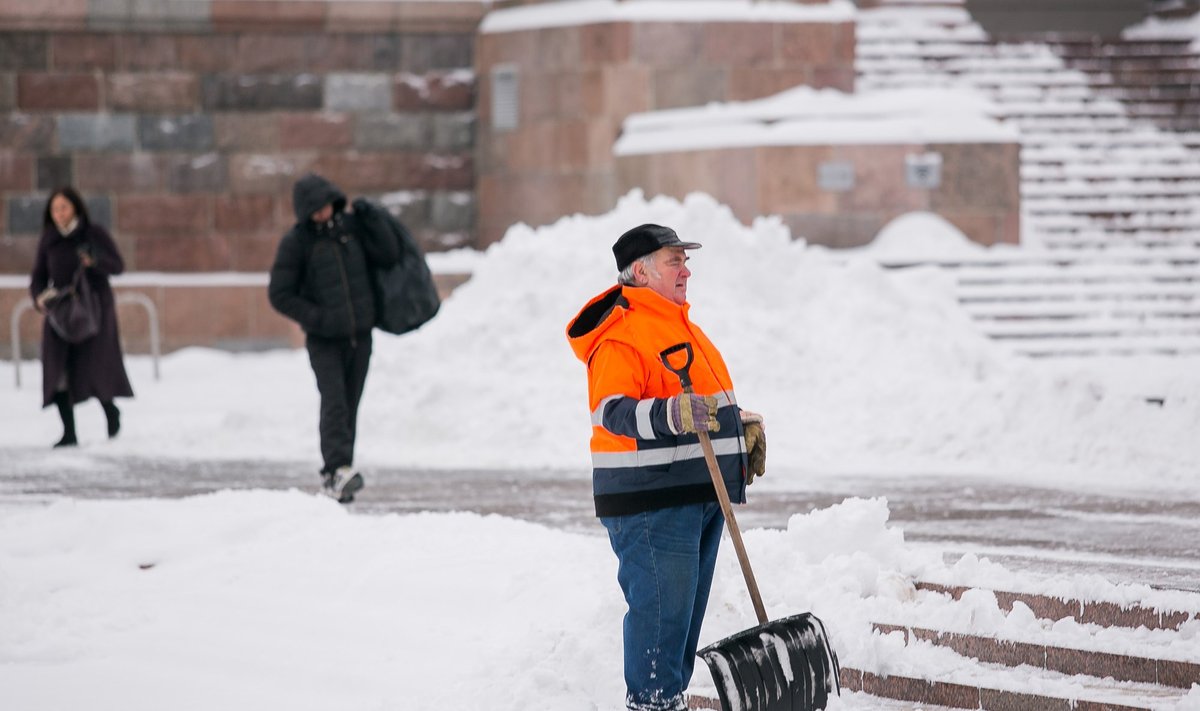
(1057, 187)
(1112, 173)
(1096, 659)
(903, 50)
(1073, 310)
(961, 682)
(1006, 261)
(1174, 62)
(850, 700)
(1070, 124)
(1124, 49)
(1094, 149)
(1101, 328)
(1098, 612)
(1035, 275)
(1189, 292)
(1146, 221)
(917, 58)
(1107, 347)
(1037, 201)
(915, 79)
(1079, 242)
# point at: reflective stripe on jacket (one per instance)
(638, 462)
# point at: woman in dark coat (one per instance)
(94, 368)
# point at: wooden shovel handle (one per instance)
(735, 533)
(710, 458)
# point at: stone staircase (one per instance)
(1095, 173)
(1084, 656)
(1079, 303)
(1156, 78)
(1111, 196)
(1044, 673)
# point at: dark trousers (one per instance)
(340, 365)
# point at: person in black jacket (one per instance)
(321, 279)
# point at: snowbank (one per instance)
(856, 368)
(251, 600)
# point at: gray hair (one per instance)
(626, 277)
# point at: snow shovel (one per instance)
(785, 665)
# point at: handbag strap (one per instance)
(75, 279)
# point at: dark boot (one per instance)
(113, 415)
(67, 413)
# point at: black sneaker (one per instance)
(342, 485)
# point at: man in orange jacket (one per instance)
(652, 488)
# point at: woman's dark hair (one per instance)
(77, 202)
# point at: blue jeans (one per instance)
(666, 560)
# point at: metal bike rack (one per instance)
(129, 297)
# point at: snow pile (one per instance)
(920, 237)
(283, 600)
(256, 599)
(855, 367)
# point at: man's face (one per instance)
(669, 275)
(324, 214)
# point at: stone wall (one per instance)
(185, 123)
(576, 84)
(978, 192)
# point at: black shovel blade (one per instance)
(782, 665)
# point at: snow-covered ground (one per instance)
(277, 599)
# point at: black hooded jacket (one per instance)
(321, 277)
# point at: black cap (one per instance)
(646, 239)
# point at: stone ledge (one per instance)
(243, 15)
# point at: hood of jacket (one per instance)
(596, 318)
(604, 317)
(311, 193)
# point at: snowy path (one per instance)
(1143, 537)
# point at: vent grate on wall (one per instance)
(505, 93)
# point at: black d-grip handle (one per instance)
(682, 372)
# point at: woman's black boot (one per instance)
(67, 413)
(113, 415)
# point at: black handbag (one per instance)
(406, 296)
(74, 312)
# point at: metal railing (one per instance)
(129, 297)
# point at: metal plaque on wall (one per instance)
(835, 176)
(923, 170)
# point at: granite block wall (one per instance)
(574, 86)
(190, 121)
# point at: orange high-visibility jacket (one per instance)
(638, 462)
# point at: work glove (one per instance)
(756, 445)
(692, 413)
